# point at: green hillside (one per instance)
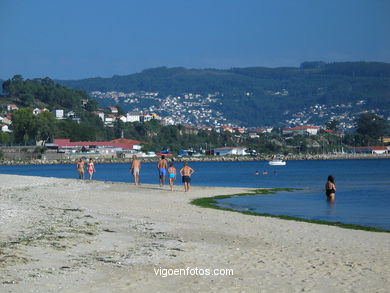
(251, 95)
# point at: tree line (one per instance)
(28, 128)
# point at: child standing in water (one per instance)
(172, 175)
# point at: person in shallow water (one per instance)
(80, 168)
(91, 168)
(330, 189)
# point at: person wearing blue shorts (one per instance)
(162, 167)
(171, 175)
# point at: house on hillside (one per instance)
(301, 130)
(110, 119)
(227, 128)
(7, 119)
(167, 121)
(207, 128)
(58, 114)
(36, 111)
(239, 130)
(100, 114)
(122, 118)
(4, 128)
(145, 117)
(113, 110)
(226, 151)
(133, 117)
(12, 107)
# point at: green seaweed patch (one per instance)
(210, 202)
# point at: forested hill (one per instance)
(259, 95)
(236, 80)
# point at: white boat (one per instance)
(277, 162)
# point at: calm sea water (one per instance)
(363, 186)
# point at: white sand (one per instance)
(61, 235)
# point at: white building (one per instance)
(4, 128)
(12, 107)
(59, 114)
(145, 117)
(225, 151)
(100, 114)
(302, 130)
(113, 110)
(110, 119)
(36, 111)
(70, 114)
(133, 117)
(122, 118)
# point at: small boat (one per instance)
(277, 162)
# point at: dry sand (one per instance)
(60, 235)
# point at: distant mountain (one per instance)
(263, 96)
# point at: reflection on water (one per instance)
(331, 208)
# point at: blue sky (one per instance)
(75, 39)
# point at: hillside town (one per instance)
(125, 148)
(187, 109)
(202, 110)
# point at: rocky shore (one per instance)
(204, 159)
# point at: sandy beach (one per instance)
(61, 235)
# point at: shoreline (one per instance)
(98, 160)
(209, 202)
(66, 235)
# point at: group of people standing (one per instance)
(162, 167)
(90, 167)
(163, 172)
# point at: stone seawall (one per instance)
(201, 159)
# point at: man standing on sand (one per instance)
(135, 168)
(80, 168)
(162, 167)
(186, 172)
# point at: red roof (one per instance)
(118, 143)
(302, 127)
(377, 148)
(332, 131)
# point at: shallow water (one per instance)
(362, 197)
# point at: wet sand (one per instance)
(60, 235)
